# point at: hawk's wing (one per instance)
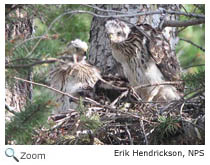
(160, 50)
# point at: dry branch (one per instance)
(186, 23)
(123, 14)
(201, 48)
(158, 84)
(48, 87)
(30, 65)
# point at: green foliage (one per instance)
(188, 54)
(23, 125)
(167, 127)
(194, 82)
(91, 122)
(68, 27)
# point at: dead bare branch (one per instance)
(30, 65)
(158, 84)
(142, 13)
(48, 87)
(186, 23)
(129, 134)
(145, 136)
(103, 10)
(191, 66)
(182, 39)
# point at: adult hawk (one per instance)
(146, 58)
(73, 75)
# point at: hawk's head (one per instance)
(117, 30)
(77, 47)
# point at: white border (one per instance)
(98, 154)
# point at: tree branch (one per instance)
(191, 66)
(48, 87)
(29, 39)
(191, 22)
(158, 84)
(30, 65)
(104, 10)
(193, 44)
(144, 13)
(86, 99)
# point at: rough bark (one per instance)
(18, 26)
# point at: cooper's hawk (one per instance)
(146, 58)
(73, 75)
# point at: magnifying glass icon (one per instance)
(9, 152)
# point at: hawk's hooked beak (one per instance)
(85, 49)
(110, 36)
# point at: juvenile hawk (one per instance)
(73, 75)
(146, 58)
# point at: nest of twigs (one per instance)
(122, 118)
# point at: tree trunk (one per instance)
(18, 26)
(100, 50)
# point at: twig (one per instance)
(114, 86)
(31, 65)
(180, 30)
(29, 39)
(199, 6)
(191, 66)
(193, 44)
(58, 116)
(194, 95)
(48, 87)
(184, 8)
(103, 10)
(119, 98)
(181, 109)
(129, 134)
(36, 45)
(145, 136)
(181, 101)
(158, 84)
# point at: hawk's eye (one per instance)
(119, 33)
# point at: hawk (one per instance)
(146, 58)
(76, 49)
(73, 75)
